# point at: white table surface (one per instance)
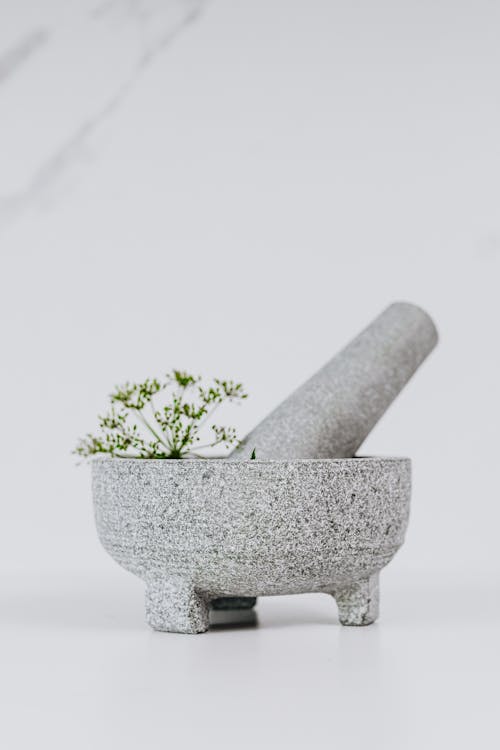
(80, 669)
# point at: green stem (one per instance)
(208, 415)
(126, 436)
(209, 445)
(148, 426)
(168, 443)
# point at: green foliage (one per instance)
(135, 427)
(253, 456)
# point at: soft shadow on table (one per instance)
(298, 611)
(91, 604)
(117, 604)
(231, 619)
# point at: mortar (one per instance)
(331, 414)
(197, 530)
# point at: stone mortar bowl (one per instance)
(196, 530)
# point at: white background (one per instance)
(238, 188)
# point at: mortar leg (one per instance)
(173, 605)
(358, 602)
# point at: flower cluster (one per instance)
(135, 427)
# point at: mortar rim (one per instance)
(225, 460)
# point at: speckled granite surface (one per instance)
(334, 411)
(196, 530)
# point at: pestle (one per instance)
(332, 413)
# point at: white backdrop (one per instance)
(238, 188)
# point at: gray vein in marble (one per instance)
(12, 205)
(19, 54)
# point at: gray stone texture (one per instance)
(334, 411)
(197, 530)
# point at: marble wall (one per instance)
(238, 187)
(64, 68)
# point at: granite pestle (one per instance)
(332, 413)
